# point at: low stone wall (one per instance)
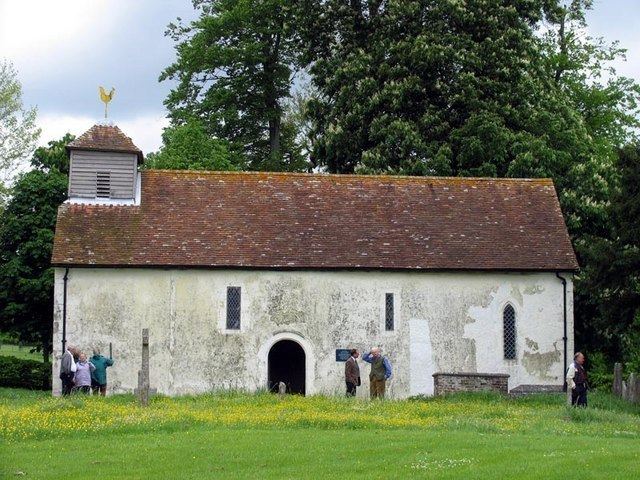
(470, 382)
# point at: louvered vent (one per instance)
(103, 184)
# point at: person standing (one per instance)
(82, 378)
(380, 372)
(352, 373)
(99, 375)
(67, 369)
(577, 381)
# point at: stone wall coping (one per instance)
(471, 374)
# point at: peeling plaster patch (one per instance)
(533, 290)
(531, 344)
(486, 326)
(287, 303)
(516, 294)
(232, 364)
(420, 358)
(172, 325)
(469, 363)
(107, 308)
(539, 364)
(448, 316)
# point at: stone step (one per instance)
(522, 390)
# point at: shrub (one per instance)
(631, 347)
(8, 339)
(20, 373)
(600, 372)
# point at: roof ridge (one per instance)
(544, 180)
(287, 220)
(105, 138)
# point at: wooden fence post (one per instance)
(617, 379)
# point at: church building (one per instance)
(246, 279)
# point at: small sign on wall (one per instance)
(342, 354)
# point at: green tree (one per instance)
(623, 306)
(438, 88)
(476, 89)
(26, 242)
(450, 88)
(234, 70)
(298, 118)
(612, 270)
(189, 147)
(18, 132)
(581, 67)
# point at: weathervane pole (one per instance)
(106, 98)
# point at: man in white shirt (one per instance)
(67, 369)
(577, 381)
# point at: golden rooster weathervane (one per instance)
(106, 98)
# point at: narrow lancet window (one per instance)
(389, 323)
(509, 321)
(233, 308)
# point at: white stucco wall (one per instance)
(449, 322)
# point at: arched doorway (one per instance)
(287, 363)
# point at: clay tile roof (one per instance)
(305, 221)
(106, 138)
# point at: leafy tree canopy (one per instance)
(26, 241)
(234, 71)
(189, 147)
(424, 87)
(18, 132)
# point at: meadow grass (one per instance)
(17, 351)
(236, 435)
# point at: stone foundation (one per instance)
(445, 383)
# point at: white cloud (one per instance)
(34, 32)
(144, 130)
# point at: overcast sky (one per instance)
(64, 49)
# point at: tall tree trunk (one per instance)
(274, 136)
(271, 97)
(562, 42)
(274, 113)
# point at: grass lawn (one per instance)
(20, 352)
(260, 436)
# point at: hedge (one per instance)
(20, 373)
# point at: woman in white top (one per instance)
(82, 378)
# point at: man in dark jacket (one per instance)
(577, 381)
(67, 369)
(99, 375)
(352, 373)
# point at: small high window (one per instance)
(389, 324)
(509, 324)
(103, 184)
(233, 308)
